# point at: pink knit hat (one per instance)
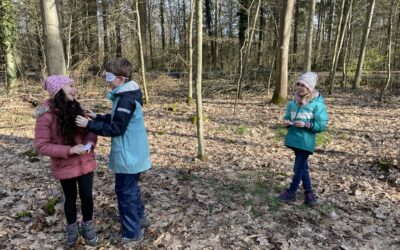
(53, 84)
(309, 80)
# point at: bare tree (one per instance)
(54, 51)
(199, 102)
(393, 12)
(8, 38)
(142, 63)
(280, 92)
(190, 89)
(162, 24)
(244, 53)
(367, 28)
(310, 25)
(339, 42)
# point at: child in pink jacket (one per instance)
(71, 151)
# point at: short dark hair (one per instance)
(120, 66)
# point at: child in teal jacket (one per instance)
(305, 116)
(129, 153)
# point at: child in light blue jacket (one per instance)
(305, 116)
(130, 153)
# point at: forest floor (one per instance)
(228, 200)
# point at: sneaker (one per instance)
(145, 222)
(72, 234)
(118, 239)
(287, 197)
(310, 199)
(89, 233)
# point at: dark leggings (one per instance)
(85, 183)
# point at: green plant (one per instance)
(373, 60)
(49, 207)
(280, 134)
(193, 118)
(24, 214)
(324, 139)
(32, 155)
(173, 108)
(242, 130)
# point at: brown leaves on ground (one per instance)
(228, 200)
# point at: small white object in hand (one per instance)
(87, 147)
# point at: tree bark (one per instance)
(393, 12)
(331, 27)
(339, 42)
(8, 31)
(244, 54)
(199, 102)
(162, 25)
(310, 26)
(141, 53)
(280, 92)
(54, 51)
(367, 28)
(190, 87)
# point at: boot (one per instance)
(72, 234)
(89, 233)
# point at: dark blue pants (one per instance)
(130, 206)
(300, 170)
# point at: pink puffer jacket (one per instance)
(49, 143)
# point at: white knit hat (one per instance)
(309, 80)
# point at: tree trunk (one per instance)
(320, 33)
(389, 48)
(150, 37)
(162, 25)
(310, 25)
(118, 50)
(367, 28)
(199, 102)
(280, 92)
(295, 34)
(216, 31)
(244, 54)
(339, 42)
(92, 29)
(243, 8)
(190, 89)
(330, 27)
(142, 8)
(105, 31)
(346, 51)
(8, 31)
(142, 63)
(260, 36)
(55, 59)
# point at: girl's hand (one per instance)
(90, 113)
(81, 121)
(287, 123)
(299, 124)
(87, 151)
(77, 149)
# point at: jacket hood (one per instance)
(42, 109)
(130, 88)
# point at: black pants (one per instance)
(85, 183)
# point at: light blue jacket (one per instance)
(130, 153)
(314, 113)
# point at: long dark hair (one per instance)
(66, 113)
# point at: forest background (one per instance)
(240, 58)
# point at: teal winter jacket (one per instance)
(129, 153)
(314, 113)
